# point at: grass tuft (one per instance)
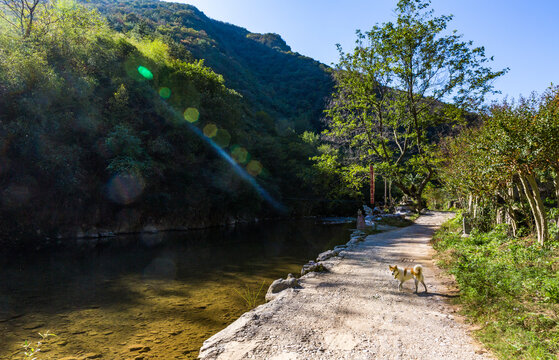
(251, 297)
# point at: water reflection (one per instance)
(101, 296)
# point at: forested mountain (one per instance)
(123, 122)
(286, 86)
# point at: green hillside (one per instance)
(118, 124)
(288, 87)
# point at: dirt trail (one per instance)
(355, 311)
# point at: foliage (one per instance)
(508, 158)
(100, 128)
(509, 287)
(390, 91)
(285, 85)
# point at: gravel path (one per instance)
(355, 311)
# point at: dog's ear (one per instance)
(390, 267)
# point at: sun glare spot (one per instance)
(144, 71)
(191, 115)
(210, 130)
(125, 188)
(222, 138)
(165, 92)
(240, 154)
(254, 168)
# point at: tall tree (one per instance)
(396, 85)
(22, 14)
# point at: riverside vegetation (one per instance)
(120, 123)
(509, 288)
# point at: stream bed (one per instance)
(149, 296)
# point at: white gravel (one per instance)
(355, 311)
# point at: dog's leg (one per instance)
(400, 286)
(415, 285)
(423, 282)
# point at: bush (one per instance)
(509, 286)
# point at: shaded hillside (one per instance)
(105, 130)
(286, 86)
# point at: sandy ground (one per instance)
(355, 311)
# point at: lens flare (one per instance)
(125, 188)
(144, 71)
(210, 130)
(191, 115)
(240, 154)
(238, 170)
(222, 138)
(165, 92)
(254, 168)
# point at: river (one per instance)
(150, 296)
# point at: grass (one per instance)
(30, 351)
(508, 286)
(250, 296)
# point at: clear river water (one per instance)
(150, 296)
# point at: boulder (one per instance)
(340, 248)
(326, 255)
(312, 266)
(279, 285)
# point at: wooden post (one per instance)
(372, 170)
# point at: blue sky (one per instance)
(521, 35)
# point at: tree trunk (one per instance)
(510, 218)
(372, 171)
(390, 193)
(499, 216)
(385, 193)
(532, 193)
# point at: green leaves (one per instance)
(390, 92)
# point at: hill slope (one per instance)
(287, 86)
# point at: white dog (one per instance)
(408, 273)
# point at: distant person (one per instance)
(360, 220)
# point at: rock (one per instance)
(312, 266)
(135, 347)
(150, 229)
(326, 255)
(280, 285)
(92, 234)
(367, 210)
(33, 326)
(403, 210)
(339, 248)
(91, 356)
(106, 233)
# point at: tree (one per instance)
(517, 147)
(22, 14)
(393, 89)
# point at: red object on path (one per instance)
(372, 170)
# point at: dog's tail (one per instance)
(417, 270)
